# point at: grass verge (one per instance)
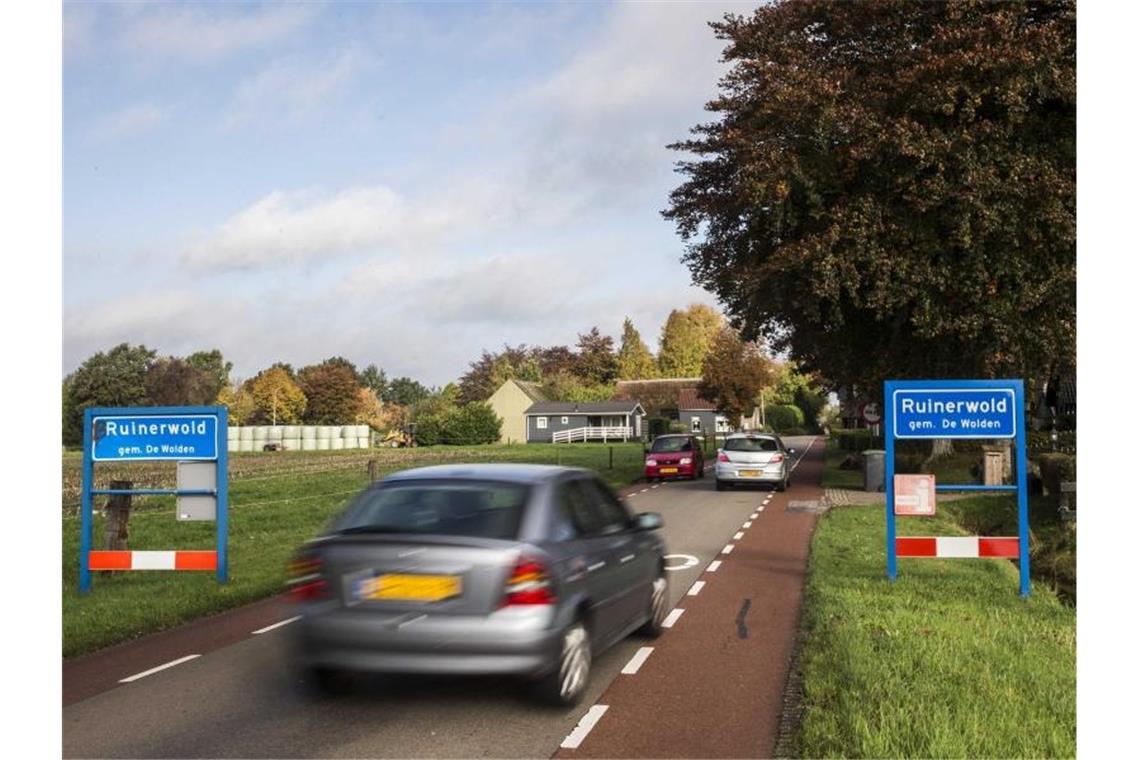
(948, 661)
(277, 501)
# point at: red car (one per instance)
(674, 456)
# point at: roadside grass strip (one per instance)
(946, 662)
(152, 671)
(582, 730)
(271, 514)
(637, 661)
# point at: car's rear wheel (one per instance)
(783, 484)
(658, 608)
(565, 685)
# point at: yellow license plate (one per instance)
(411, 588)
(750, 473)
(668, 469)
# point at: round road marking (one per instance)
(687, 561)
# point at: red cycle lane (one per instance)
(713, 685)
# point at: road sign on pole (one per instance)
(919, 409)
(181, 434)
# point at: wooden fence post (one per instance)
(118, 516)
(373, 466)
(611, 457)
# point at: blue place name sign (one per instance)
(957, 413)
(184, 436)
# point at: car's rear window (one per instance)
(665, 445)
(751, 444)
(481, 509)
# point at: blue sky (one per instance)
(399, 184)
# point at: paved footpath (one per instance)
(712, 686)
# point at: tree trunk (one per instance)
(940, 448)
(118, 516)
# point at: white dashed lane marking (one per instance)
(582, 730)
(714, 566)
(727, 549)
(672, 618)
(637, 661)
(739, 535)
(152, 671)
(748, 525)
(696, 588)
(269, 628)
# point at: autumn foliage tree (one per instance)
(733, 373)
(635, 362)
(332, 393)
(889, 189)
(686, 337)
(278, 399)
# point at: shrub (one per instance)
(1056, 467)
(1041, 440)
(429, 429)
(794, 431)
(471, 424)
(856, 439)
(784, 416)
(658, 426)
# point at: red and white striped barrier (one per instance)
(957, 546)
(168, 560)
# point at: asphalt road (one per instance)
(241, 699)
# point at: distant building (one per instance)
(677, 398)
(510, 403)
(569, 421)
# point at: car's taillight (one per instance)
(305, 582)
(722, 457)
(529, 583)
(776, 458)
(650, 462)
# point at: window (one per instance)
(751, 444)
(565, 420)
(673, 443)
(454, 508)
(615, 517)
(576, 503)
(540, 423)
(696, 423)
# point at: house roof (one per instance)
(532, 389)
(630, 388)
(689, 400)
(593, 407)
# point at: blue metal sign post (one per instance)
(195, 433)
(920, 409)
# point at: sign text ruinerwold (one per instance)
(960, 413)
(183, 436)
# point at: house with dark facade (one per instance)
(677, 398)
(699, 415)
(569, 421)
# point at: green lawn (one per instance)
(948, 661)
(277, 501)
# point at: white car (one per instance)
(753, 458)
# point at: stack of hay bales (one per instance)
(298, 437)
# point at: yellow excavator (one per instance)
(400, 438)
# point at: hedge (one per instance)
(784, 416)
(467, 425)
(1056, 467)
(856, 439)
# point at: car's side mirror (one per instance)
(648, 521)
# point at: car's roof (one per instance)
(522, 473)
(752, 435)
(674, 435)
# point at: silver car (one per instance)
(524, 570)
(753, 458)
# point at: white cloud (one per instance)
(289, 90)
(202, 34)
(129, 121)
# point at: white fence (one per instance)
(299, 437)
(593, 434)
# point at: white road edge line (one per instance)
(637, 661)
(152, 671)
(696, 588)
(739, 535)
(672, 617)
(727, 549)
(713, 566)
(582, 730)
(269, 628)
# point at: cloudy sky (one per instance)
(399, 184)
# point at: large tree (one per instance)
(686, 338)
(597, 364)
(277, 397)
(405, 391)
(733, 373)
(215, 366)
(491, 370)
(375, 380)
(332, 393)
(171, 381)
(890, 189)
(114, 378)
(635, 362)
